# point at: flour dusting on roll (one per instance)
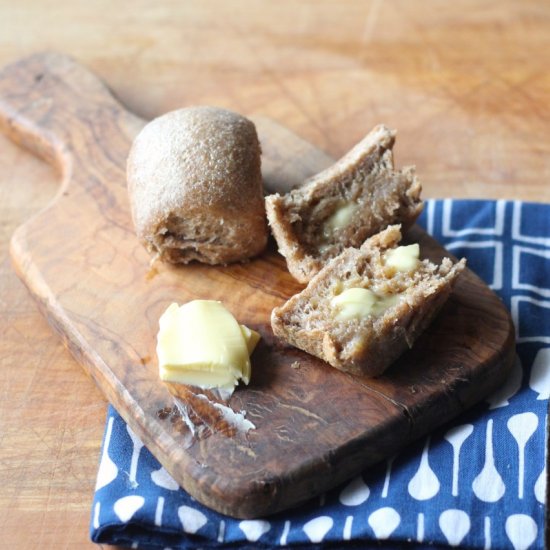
(195, 186)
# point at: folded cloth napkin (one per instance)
(478, 482)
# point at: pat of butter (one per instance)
(202, 344)
(403, 258)
(340, 218)
(355, 303)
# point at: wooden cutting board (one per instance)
(314, 426)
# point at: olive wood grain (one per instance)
(314, 426)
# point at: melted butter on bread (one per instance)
(356, 303)
(403, 258)
(340, 218)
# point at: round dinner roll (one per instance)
(195, 187)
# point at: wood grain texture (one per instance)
(467, 82)
(315, 426)
(52, 416)
(473, 74)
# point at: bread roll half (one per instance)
(195, 187)
(340, 207)
(366, 342)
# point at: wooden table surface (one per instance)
(465, 83)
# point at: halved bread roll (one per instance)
(195, 187)
(368, 305)
(345, 204)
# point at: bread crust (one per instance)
(364, 176)
(195, 187)
(365, 346)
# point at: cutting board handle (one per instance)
(63, 113)
(52, 106)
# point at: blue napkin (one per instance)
(478, 482)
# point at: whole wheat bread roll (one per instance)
(305, 221)
(195, 187)
(366, 345)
